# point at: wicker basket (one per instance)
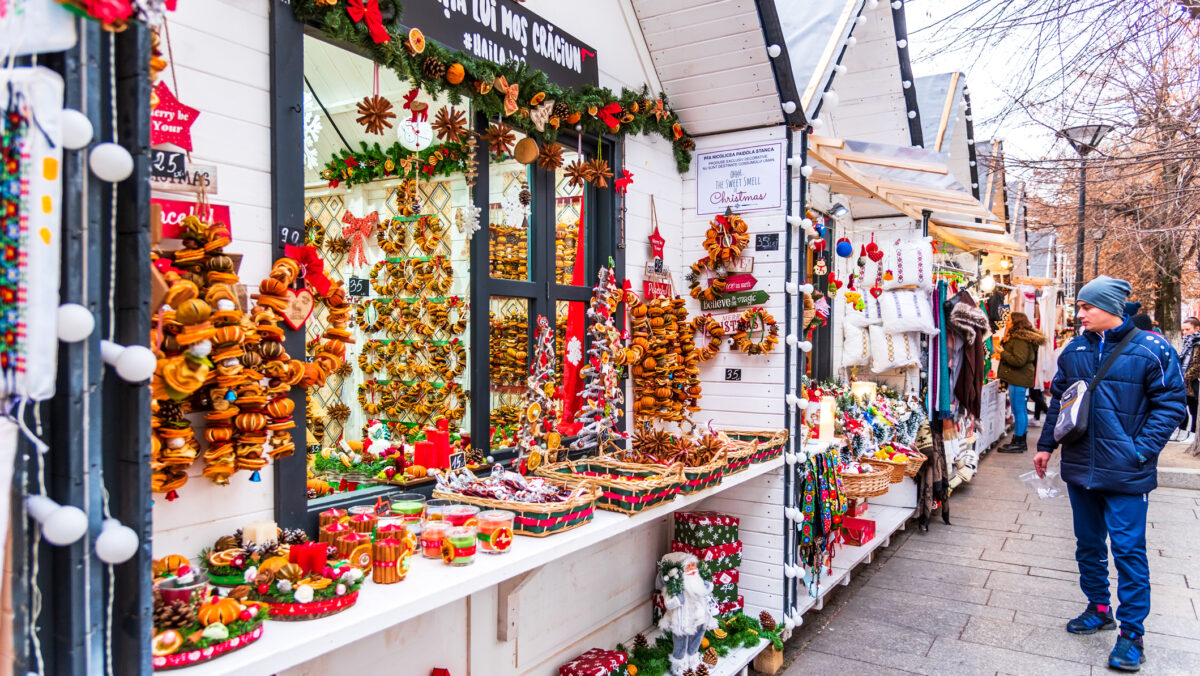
(625, 487)
(865, 485)
(696, 479)
(915, 460)
(770, 442)
(896, 468)
(539, 519)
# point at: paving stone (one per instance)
(943, 573)
(986, 525)
(1060, 548)
(1039, 587)
(1045, 528)
(1068, 576)
(1036, 640)
(813, 661)
(1038, 604)
(952, 653)
(847, 629)
(1032, 560)
(959, 593)
(963, 551)
(961, 561)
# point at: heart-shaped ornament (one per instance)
(299, 309)
(876, 254)
(876, 291)
(835, 283)
(872, 246)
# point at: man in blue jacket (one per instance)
(1112, 469)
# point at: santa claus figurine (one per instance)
(690, 608)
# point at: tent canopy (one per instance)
(911, 181)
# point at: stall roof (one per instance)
(911, 181)
(713, 63)
(993, 190)
(815, 39)
(947, 126)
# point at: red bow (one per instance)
(607, 115)
(356, 230)
(164, 265)
(370, 12)
(312, 267)
(622, 184)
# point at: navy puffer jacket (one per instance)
(1133, 410)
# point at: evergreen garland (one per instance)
(373, 162)
(636, 115)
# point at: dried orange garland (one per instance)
(760, 321)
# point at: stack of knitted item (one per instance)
(712, 538)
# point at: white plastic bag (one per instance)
(1047, 487)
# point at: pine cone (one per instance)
(433, 68)
(686, 144)
(173, 615)
(689, 672)
(702, 670)
(640, 641)
(767, 622)
(227, 542)
(525, 196)
(293, 536)
(710, 656)
(561, 111)
(264, 577)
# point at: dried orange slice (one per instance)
(273, 564)
(537, 98)
(533, 411)
(534, 460)
(345, 460)
(166, 643)
(360, 557)
(221, 558)
(416, 41)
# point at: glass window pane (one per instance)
(510, 246)
(570, 351)
(570, 246)
(509, 364)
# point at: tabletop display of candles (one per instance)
(431, 538)
(411, 508)
(495, 531)
(459, 545)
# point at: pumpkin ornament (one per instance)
(222, 610)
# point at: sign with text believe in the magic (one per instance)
(502, 31)
(743, 179)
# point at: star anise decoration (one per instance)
(374, 113)
(578, 173)
(550, 157)
(500, 138)
(601, 173)
(450, 124)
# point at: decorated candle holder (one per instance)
(331, 515)
(435, 509)
(190, 588)
(432, 537)
(411, 508)
(391, 561)
(356, 548)
(462, 515)
(290, 594)
(333, 532)
(394, 529)
(496, 531)
(232, 556)
(459, 545)
(363, 523)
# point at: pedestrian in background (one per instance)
(1189, 355)
(1111, 469)
(1018, 363)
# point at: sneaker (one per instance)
(1128, 655)
(1175, 435)
(1191, 437)
(1095, 618)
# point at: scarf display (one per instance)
(933, 490)
(972, 324)
(822, 505)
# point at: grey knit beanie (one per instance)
(1106, 293)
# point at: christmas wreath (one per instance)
(706, 326)
(726, 237)
(756, 321)
(716, 286)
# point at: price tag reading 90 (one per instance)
(291, 236)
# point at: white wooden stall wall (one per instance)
(221, 51)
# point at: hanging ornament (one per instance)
(500, 138)
(450, 124)
(171, 121)
(540, 114)
(550, 157)
(862, 257)
(888, 276)
(844, 248)
(526, 151)
(876, 291)
(817, 245)
(873, 250)
(820, 268)
(578, 173)
(374, 113)
(312, 130)
(600, 173)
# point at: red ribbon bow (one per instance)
(607, 114)
(312, 267)
(355, 230)
(370, 12)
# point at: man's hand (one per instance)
(1040, 461)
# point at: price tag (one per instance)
(291, 235)
(733, 375)
(458, 460)
(766, 242)
(358, 287)
(167, 164)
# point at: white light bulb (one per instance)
(806, 171)
(896, 4)
(61, 525)
(840, 69)
(789, 107)
(907, 84)
(110, 162)
(75, 322)
(774, 51)
(789, 624)
(789, 570)
(817, 124)
(133, 363)
(902, 43)
(974, 185)
(851, 41)
(117, 543)
(806, 223)
(872, 4)
(792, 340)
(76, 129)
(790, 288)
(971, 141)
(793, 161)
(968, 118)
(860, 20)
(805, 346)
(912, 114)
(807, 288)
(972, 164)
(794, 221)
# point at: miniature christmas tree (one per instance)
(603, 396)
(539, 418)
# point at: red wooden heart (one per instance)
(876, 291)
(299, 309)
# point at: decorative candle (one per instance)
(458, 548)
(495, 531)
(462, 515)
(363, 523)
(361, 509)
(431, 538)
(828, 406)
(310, 556)
(333, 532)
(390, 528)
(434, 509)
(410, 507)
(353, 545)
(391, 561)
(424, 453)
(260, 533)
(331, 515)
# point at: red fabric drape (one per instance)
(576, 321)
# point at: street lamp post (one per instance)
(1084, 140)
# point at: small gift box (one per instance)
(333, 532)
(331, 515)
(595, 662)
(713, 559)
(856, 531)
(724, 609)
(363, 523)
(705, 529)
(391, 561)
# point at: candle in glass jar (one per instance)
(495, 531)
(431, 538)
(434, 509)
(461, 515)
(410, 507)
(458, 548)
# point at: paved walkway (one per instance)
(991, 593)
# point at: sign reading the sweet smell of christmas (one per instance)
(502, 30)
(749, 178)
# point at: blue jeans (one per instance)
(1016, 397)
(1100, 517)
